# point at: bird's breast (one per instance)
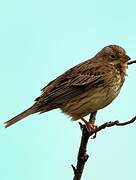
(93, 99)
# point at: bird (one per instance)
(83, 89)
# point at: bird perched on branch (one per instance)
(85, 88)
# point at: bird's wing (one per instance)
(73, 83)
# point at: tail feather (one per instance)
(20, 116)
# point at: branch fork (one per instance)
(82, 154)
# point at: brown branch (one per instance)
(82, 154)
(131, 62)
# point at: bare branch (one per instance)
(74, 169)
(110, 124)
(82, 154)
(131, 62)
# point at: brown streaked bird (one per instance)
(85, 88)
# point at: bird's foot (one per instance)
(90, 127)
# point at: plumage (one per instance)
(85, 88)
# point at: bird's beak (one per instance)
(126, 58)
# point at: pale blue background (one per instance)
(39, 40)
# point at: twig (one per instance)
(82, 154)
(112, 123)
(131, 62)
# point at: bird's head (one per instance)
(114, 55)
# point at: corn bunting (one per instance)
(85, 88)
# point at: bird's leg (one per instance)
(92, 121)
(90, 124)
(92, 117)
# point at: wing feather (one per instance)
(73, 83)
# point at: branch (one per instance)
(112, 123)
(131, 62)
(82, 154)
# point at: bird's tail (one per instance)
(20, 116)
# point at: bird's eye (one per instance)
(112, 56)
